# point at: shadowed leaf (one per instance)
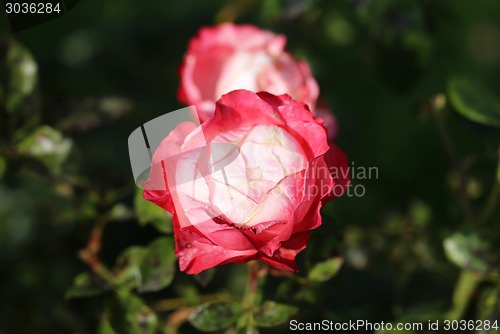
(91, 113)
(474, 102)
(215, 316)
(272, 314)
(21, 76)
(105, 327)
(86, 285)
(158, 265)
(129, 315)
(127, 269)
(3, 166)
(469, 251)
(18, 81)
(48, 146)
(205, 277)
(149, 213)
(325, 270)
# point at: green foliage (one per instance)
(488, 304)
(271, 314)
(149, 213)
(105, 327)
(246, 330)
(87, 285)
(91, 113)
(298, 291)
(470, 251)
(21, 75)
(205, 277)
(148, 268)
(384, 67)
(120, 212)
(325, 270)
(127, 271)
(158, 265)
(3, 166)
(215, 316)
(48, 146)
(129, 315)
(19, 100)
(473, 101)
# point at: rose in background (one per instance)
(263, 204)
(324, 112)
(227, 57)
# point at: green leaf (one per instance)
(3, 166)
(127, 271)
(21, 75)
(304, 293)
(421, 214)
(498, 172)
(149, 213)
(205, 277)
(148, 268)
(105, 326)
(488, 305)
(214, 316)
(120, 212)
(474, 101)
(244, 330)
(86, 285)
(469, 251)
(272, 314)
(158, 265)
(129, 315)
(325, 270)
(90, 113)
(48, 146)
(19, 97)
(190, 294)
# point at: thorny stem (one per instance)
(464, 290)
(90, 253)
(177, 303)
(493, 199)
(468, 282)
(182, 309)
(253, 292)
(452, 156)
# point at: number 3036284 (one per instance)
(32, 8)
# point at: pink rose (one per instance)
(266, 193)
(323, 111)
(227, 57)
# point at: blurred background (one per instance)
(399, 76)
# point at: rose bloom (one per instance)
(248, 184)
(330, 121)
(227, 57)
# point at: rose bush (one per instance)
(257, 197)
(228, 57)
